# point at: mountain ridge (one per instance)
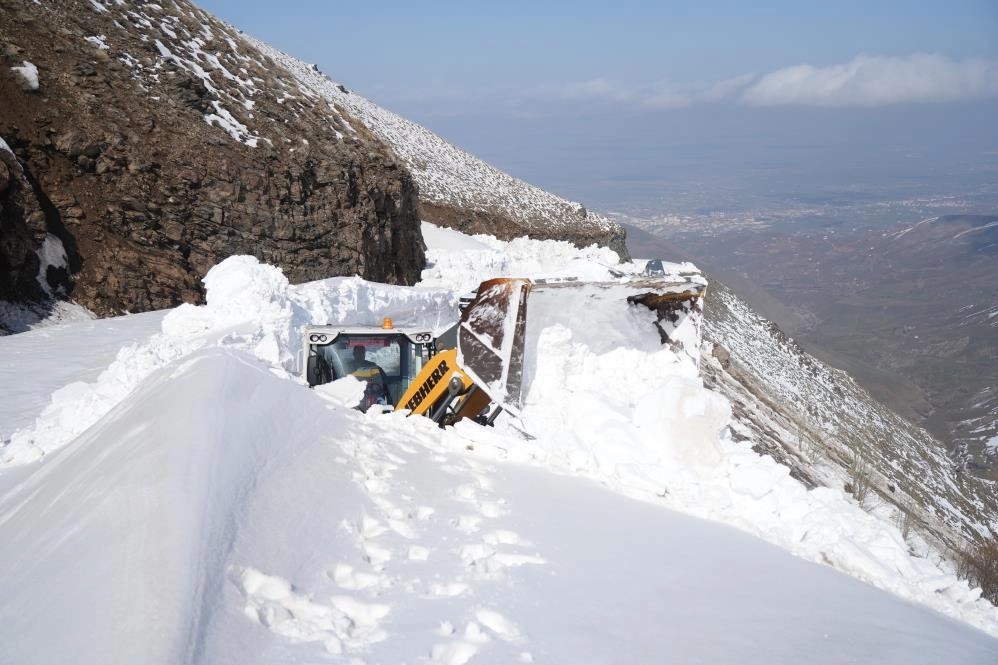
(155, 140)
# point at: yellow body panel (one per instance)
(431, 382)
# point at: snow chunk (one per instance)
(347, 392)
(28, 73)
(237, 130)
(100, 41)
(50, 254)
(346, 623)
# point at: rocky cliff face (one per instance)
(149, 142)
(458, 190)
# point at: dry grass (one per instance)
(861, 476)
(979, 566)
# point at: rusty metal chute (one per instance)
(499, 330)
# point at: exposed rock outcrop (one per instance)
(22, 228)
(506, 226)
(458, 190)
(159, 141)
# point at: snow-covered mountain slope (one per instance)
(455, 187)
(158, 143)
(160, 140)
(448, 177)
(820, 423)
(197, 486)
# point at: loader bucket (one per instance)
(491, 335)
(497, 339)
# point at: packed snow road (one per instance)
(273, 525)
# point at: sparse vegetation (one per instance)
(904, 519)
(861, 475)
(978, 564)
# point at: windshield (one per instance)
(386, 362)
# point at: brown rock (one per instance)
(147, 196)
(71, 143)
(723, 355)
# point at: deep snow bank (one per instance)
(116, 550)
(222, 514)
(249, 306)
(462, 262)
(608, 402)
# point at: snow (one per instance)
(195, 484)
(28, 73)
(16, 317)
(983, 227)
(222, 118)
(50, 254)
(99, 41)
(4, 146)
(35, 364)
(992, 443)
(283, 539)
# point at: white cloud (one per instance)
(727, 89)
(865, 81)
(877, 81)
(652, 96)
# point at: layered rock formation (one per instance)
(154, 141)
(458, 190)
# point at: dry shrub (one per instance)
(979, 565)
(861, 475)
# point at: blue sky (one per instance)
(537, 87)
(409, 46)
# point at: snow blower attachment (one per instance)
(497, 344)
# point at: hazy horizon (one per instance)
(635, 105)
(738, 158)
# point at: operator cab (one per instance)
(386, 358)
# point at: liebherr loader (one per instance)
(484, 365)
